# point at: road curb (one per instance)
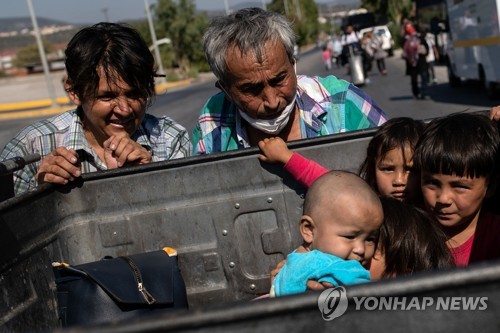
(29, 105)
(33, 113)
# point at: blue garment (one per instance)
(318, 266)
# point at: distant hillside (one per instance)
(20, 23)
(15, 32)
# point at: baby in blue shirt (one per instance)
(339, 226)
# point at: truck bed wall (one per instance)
(230, 217)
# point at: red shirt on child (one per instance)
(461, 253)
(486, 243)
(483, 244)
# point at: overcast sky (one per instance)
(91, 11)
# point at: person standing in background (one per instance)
(327, 58)
(415, 52)
(432, 56)
(379, 54)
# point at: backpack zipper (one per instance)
(142, 289)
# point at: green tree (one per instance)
(304, 16)
(179, 22)
(29, 54)
(143, 28)
(166, 53)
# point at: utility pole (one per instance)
(226, 5)
(105, 12)
(153, 38)
(287, 13)
(297, 9)
(264, 5)
(45, 65)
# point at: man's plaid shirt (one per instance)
(327, 105)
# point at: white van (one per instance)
(474, 46)
(382, 32)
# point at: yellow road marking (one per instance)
(32, 113)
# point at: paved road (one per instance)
(391, 92)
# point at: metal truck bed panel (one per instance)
(231, 219)
(412, 312)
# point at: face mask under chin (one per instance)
(270, 126)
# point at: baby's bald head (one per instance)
(338, 192)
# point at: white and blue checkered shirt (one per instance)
(164, 138)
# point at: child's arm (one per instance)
(302, 169)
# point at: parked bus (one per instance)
(471, 38)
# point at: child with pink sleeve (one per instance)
(302, 169)
(386, 167)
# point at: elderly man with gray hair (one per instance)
(251, 54)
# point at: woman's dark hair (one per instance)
(395, 133)
(463, 144)
(411, 240)
(119, 50)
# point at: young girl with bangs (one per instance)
(389, 159)
(386, 168)
(458, 159)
